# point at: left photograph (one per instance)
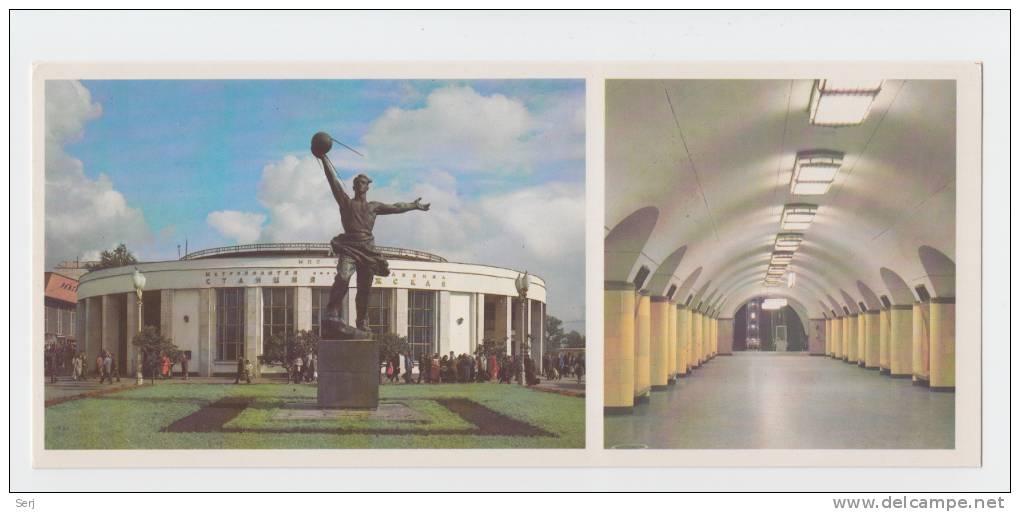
(323, 264)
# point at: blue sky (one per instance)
(227, 161)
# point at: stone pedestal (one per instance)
(348, 374)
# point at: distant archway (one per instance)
(752, 323)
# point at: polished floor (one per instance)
(787, 401)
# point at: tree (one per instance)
(283, 349)
(554, 336)
(153, 347)
(391, 344)
(493, 347)
(573, 339)
(118, 257)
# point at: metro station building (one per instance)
(223, 303)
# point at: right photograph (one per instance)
(780, 263)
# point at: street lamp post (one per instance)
(522, 294)
(139, 282)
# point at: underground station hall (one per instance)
(780, 263)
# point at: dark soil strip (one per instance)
(88, 394)
(491, 422)
(212, 417)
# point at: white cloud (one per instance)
(460, 130)
(243, 227)
(83, 215)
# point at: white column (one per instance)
(303, 308)
(93, 330)
(400, 326)
(352, 306)
(478, 320)
(131, 321)
(509, 304)
(527, 328)
(109, 320)
(444, 322)
(206, 332)
(253, 326)
(166, 313)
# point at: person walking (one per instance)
(115, 372)
(75, 368)
(184, 364)
(241, 374)
(296, 373)
(167, 366)
(107, 369)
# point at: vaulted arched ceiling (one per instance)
(711, 161)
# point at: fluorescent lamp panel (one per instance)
(788, 241)
(817, 172)
(871, 85)
(842, 102)
(810, 188)
(796, 226)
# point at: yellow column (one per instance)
(658, 367)
(851, 338)
(692, 340)
(837, 337)
(871, 341)
(671, 343)
(683, 328)
(696, 338)
(706, 335)
(710, 338)
(862, 340)
(921, 342)
(642, 346)
(618, 378)
(943, 344)
(883, 341)
(900, 341)
(847, 341)
(715, 336)
(828, 337)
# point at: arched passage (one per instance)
(624, 243)
(752, 322)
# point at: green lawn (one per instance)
(132, 419)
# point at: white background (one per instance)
(520, 36)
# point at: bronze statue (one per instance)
(355, 247)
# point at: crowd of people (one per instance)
(453, 368)
(64, 360)
(563, 365)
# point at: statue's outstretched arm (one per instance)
(389, 209)
(334, 183)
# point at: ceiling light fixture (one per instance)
(773, 303)
(814, 172)
(788, 241)
(798, 217)
(842, 102)
(782, 258)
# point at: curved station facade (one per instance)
(220, 304)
